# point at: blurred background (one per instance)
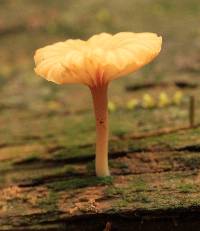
(35, 114)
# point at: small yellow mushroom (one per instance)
(148, 101)
(163, 100)
(111, 106)
(95, 63)
(178, 97)
(132, 104)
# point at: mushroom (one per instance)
(178, 97)
(132, 104)
(163, 100)
(95, 62)
(148, 101)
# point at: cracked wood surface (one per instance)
(40, 193)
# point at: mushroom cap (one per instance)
(100, 59)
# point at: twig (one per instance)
(192, 111)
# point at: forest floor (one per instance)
(47, 132)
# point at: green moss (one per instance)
(114, 191)
(126, 198)
(5, 166)
(74, 152)
(138, 192)
(56, 172)
(136, 184)
(187, 188)
(2, 180)
(49, 202)
(120, 204)
(139, 184)
(119, 165)
(120, 132)
(141, 197)
(69, 169)
(174, 176)
(80, 183)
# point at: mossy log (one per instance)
(154, 185)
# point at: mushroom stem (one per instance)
(100, 102)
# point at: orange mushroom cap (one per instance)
(100, 59)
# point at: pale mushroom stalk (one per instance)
(100, 103)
